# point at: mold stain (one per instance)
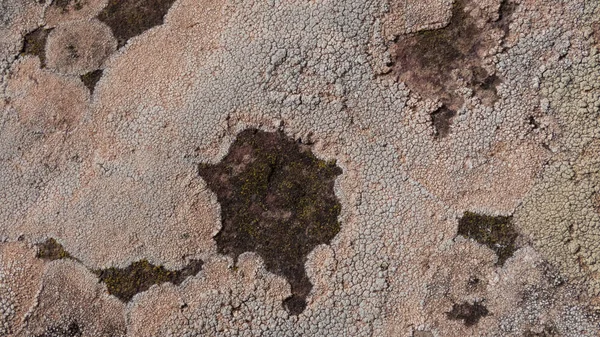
(129, 18)
(90, 79)
(469, 313)
(426, 60)
(52, 250)
(34, 43)
(141, 275)
(72, 330)
(277, 199)
(495, 232)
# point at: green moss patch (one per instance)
(51, 250)
(34, 43)
(496, 232)
(129, 18)
(90, 79)
(141, 275)
(277, 199)
(469, 313)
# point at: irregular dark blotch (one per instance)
(425, 60)
(277, 199)
(73, 53)
(533, 122)
(90, 79)
(141, 275)
(34, 43)
(441, 120)
(65, 5)
(129, 18)
(505, 13)
(51, 250)
(72, 330)
(469, 313)
(496, 232)
(422, 333)
(548, 331)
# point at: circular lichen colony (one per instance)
(277, 199)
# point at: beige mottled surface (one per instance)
(111, 175)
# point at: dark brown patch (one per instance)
(441, 120)
(505, 13)
(426, 59)
(72, 50)
(72, 330)
(51, 250)
(533, 122)
(90, 79)
(469, 313)
(141, 275)
(34, 43)
(596, 32)
(496, 232)
(548, 331)
(129, 18)
(67, 5)
(277, 199)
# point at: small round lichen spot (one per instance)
(277, 199)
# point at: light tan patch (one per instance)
(46, 101)
(79, 47)
(20, 276)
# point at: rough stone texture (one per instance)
(112, 176)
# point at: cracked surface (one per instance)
(112, 175)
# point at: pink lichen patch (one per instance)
(45, 101)
(71, 293)
(21, 274)
(79, 47)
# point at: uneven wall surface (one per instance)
(427, 168)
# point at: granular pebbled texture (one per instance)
(276, 199)
(113, 176)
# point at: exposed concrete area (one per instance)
(445, 154)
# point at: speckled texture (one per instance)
(112, 176)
